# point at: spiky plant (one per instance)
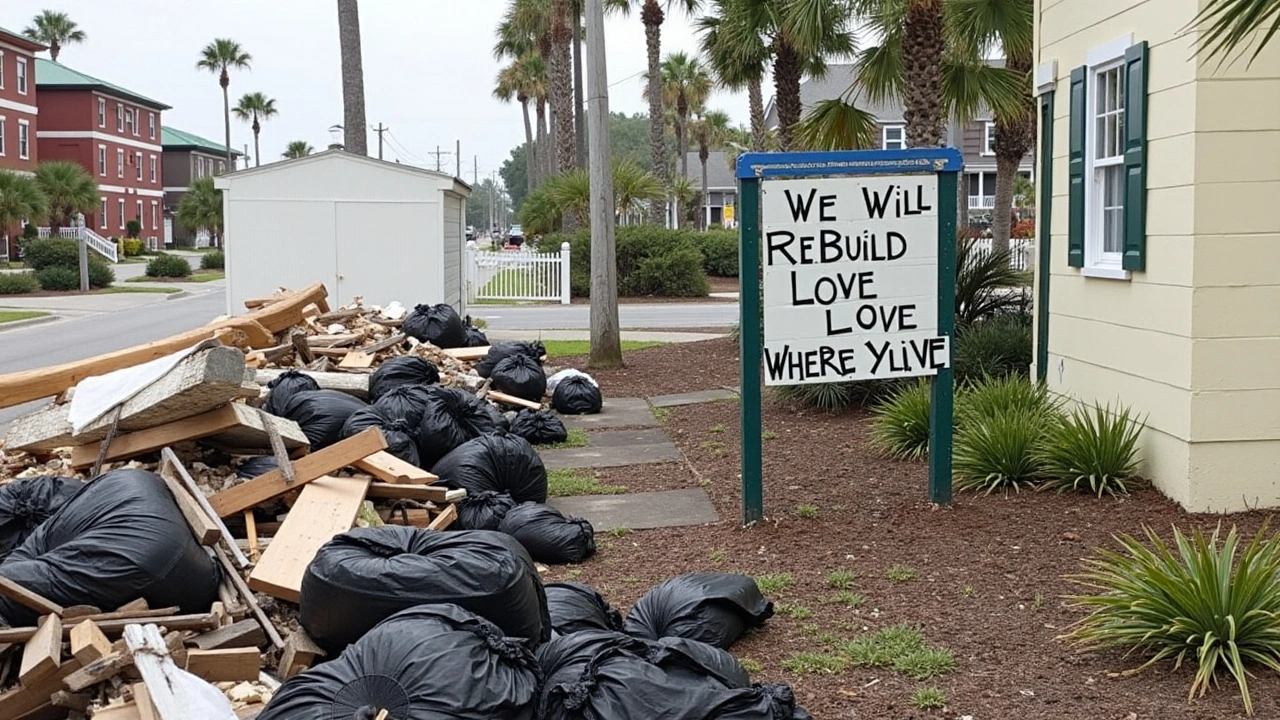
(1000, 452)
(1093, 448)
(900, 425)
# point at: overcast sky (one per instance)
(428, 68)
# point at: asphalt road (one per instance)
(575, 317)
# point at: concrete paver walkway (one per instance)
(641, 511)
(615, 448)
(692, 398)
(616, 413)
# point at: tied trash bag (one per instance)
(714, 608)
(577, 395)
(438, 324)
(601, 674)
(429, 662)
(321, 414)
(26, 503)
(364, 576)
(548, 535)
(406, 402)
(500, 462)
(504, 350)
(540, 427)
(255, 466)
(484, 510)
(400, 371)
(451, 418)
(400, 434)
(285, 386)
(575, 607)
(476, 337)
(521, 376)
(554, 380)
(120, 538)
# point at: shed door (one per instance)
(388, 251)
(278, 243)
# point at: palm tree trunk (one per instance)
(579, 107)
(530, 153)
(682, 144)
(786, 79)
(652, 17)
(1002, 215)
(704, 205)
(257, 150)
(962, 204)
(562, 85)
(355, 137)
(54, 48)
(922, 43)
(1013, 139)
(755, 99)
(226, 121)
(544, 168)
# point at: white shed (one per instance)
(364, 227)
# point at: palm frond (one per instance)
(1231, 25)
(837, 125)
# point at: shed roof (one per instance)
(175, 139)
(56, 76)
(225, 181)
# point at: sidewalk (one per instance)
(633, 335)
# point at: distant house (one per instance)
(187, 158)
(722, 188)
(114, 133)
(18, 114)
(974, 139)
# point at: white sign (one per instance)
(850, 279)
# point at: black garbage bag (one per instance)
(399, 371)
(362, 577)
(503, 350)
(540, 427)
(500, 421)
(120, 538)
(575, 607)
(400, 434)
(430, 662)
(321, 414)
(451, 418)
(577, 395)
(548, 535)
(501, 462)
(476, 337)
(521, 376)
(601, 674)
(484, 510)
(406, 402)
(712, 607)
(255, 466)
(438, 324)
(26, 503)
(285, 386)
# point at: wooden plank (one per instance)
(28, 598)
(20, 700)
(194, 490)
(71, 701)
(146, 710)
(114, 626)
(331, 341)
(389, 468)
(203, 528)
(309, 468)
(324, 509)
(387, 344)
(135, 605)
(430, 493)
(414, 517)
(100, 670)
(171, 690)
(224, 665)
(300, 652)
(356, 384)
(88, 643)
(506, 399)
(356, 360)
(247, 596)
(467, 354)
(127, 711)
(43, 652)
(245, 633)
(251, 528)
(446, 518)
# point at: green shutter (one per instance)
(1044, 181)
(1075, 170)
(1135, 158)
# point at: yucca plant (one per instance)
(900, 424)
(1093, 448)
(994, 396)
(1195, 602)
(834, 397)
(1000, 451)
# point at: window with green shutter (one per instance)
(1135, 158)
(1075, 170)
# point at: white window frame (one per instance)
(140, 225)
(102, 221)
(153, 168)
(102, 161)
(102, 112)
(137, 160)
(155, 214)
(2, 124)
(151, 123)
(1097, 262)
(120, 163)
(120, 206)
(129, 125)
(988, 138)
(23, 80)
(24, 139)
(900, 143)
(120, 117)
(1, 69)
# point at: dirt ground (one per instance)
(988, 572)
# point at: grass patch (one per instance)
(773, 583)
(751, 666)
(795, 612)
(620, 532)
(851, 600)
(929, 698)
(7, 316)
(808, 512)
(901, 573)
(900, 648)
(575, 438)
(114, 289)
(840, 579)
(768, 435)
(716, 429)
(711, 445)
(567, 483)
(807, 663)
(661, 414)
(575, 348)
(718, 556)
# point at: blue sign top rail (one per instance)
(849, 162)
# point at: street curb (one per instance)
(175, 296)
(14, 325)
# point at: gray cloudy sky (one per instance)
(429, 73)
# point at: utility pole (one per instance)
(606, 340)
(246, 158)
(475, 169)
(438, 155)
(380, 129)
(457, 157)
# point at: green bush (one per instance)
(674, 273)
(169, 266)
(900, 424)
(213, 260)
(995, 347)
(131, 247)
(100, 273)
(30, 232)
(995, 396)
(1094, 449)
(1000, 452)
(18, 283)
(641, 249)
(133, 228)
(52, 252)
(720, 252)
(837, 396)
(1193, 602)
(59, 277)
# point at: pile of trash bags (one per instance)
(715, 608)
(437, 324)
(26, 503)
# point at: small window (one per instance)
(102, 215)
(138, 164)
(1, 69)
(153, 168)
(102, 112)
(895, 137)
(24, 140)
(119, 163)
(222, 166)
(139, 218)
(119, 117)
(2, 136)
(155, 214)
(151, 121)
(1105, 200)
(22, 76)
(128, 121)
(120, 207)
(102, 160)
(988, 138)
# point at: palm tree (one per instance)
(1228, 25)
(255, 107)
(21, 200)
(54, 29)
(522, 81)
(684, 192)
(355, 136)
(523, 34)
(298, 149)
(68, 189)
(737, 68)
(685, 87)
(712, 130)
(632, 185)
(560, 70)
(219, 57)
(201, 207)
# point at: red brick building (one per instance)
(115, 134)
(17, 101)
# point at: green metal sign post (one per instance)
(843, 279)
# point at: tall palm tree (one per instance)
(1228, 25)
(354, 125)
(685, 87)
(201, 207)
(54, 29)
(712, 130)
(521, 81)
(298, 149)
(255, 107)
(69, 190)
(21, 200)
(561, 74)
(220, 57)
(525, 31)
(737, 68)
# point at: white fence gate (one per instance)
(1019, 251)
(518, 275)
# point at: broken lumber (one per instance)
(389, 468)
(125, 711)
(232, 425)
(308, 468)
(324, 509)
(23, 699)
(43, 652)
(446, 518)
(356, 384)
(224, 665)
(88, 643)
(247, 596)
(467, 354)
(115, 626)
(506, 399)
(300, 652)
(175, 695)
(245, 633)
(429, 493)
(203, 528)
(194, 491)
(100, 670)
(356, 360)
(29, 598)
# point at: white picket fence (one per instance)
(1020, 251)
(518, 275)
(104, 247)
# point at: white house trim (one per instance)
(175, 189)
(1108, 52)
(20, 107)
(81, 135)
(150, 193)
(1046, 77)
(112, 188)
(15, 48)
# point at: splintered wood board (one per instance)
(468, 354)
(389, 468)
(506, 399)
(356, 360)
(325, 508)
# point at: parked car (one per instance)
(516, 235)
(471, 232)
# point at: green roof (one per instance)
(51, 75)
(173, 138)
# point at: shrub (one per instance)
(100, 273)
(900, 424)
(1194, 602)
(1093, 448)
(59, 277)
(995, 347)
(18, 283)
(995, 396)
(132, 247)
(214, 260)
(674, 273)
(719, 252)
(52, 252)
(1023, 229)
(651, 261)
(133, 228)
(170, 266)
(1001, 451)
(835, 397)
(30, 232)
(985, 283)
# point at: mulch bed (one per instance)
(990, 569)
